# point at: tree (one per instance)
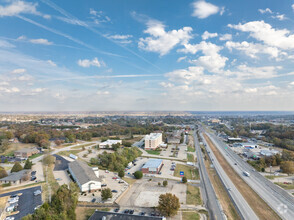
(3, 173)
(121, 173)
(106, 194)
(28, 165)
(287, 167)
(159, 183)
(16, 167)
(168, 204)
(48, 159)
(164, 183)
(138, 174)
(184, 179)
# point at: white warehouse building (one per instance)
(153, 141)
(109, 143)
(86, 177)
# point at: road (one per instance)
(277, 198)
(240, 203)
(35, 160)
(209, 196)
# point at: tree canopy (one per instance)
(168, 204)
(16, 167)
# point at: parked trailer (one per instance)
(73, 156)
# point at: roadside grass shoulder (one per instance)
(285, 186)
(154, 152)
(193, 195)
(191, 173)
(190, 215)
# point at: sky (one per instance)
(119, 55)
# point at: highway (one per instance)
(243, 208)
(211, 202)
(277, 198)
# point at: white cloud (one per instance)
(181, 59)
(206, 35)
(18, 7)
(225, 37)
(25, 78)
(292, 6)
(250, 90)
(5, 44)
(166, 85)
(51, 63)
(18, 71)
(102, 93)
(38, 90)
(211, 60)
(120, 37)
(279, 17)
(262, 31)
(162, 41)
(41, 41)
(252, 49)
(186, 76)
(263, 11)
(88, 63)
(3, 83)
(264, 72)
(291, 83)
(99, 16)
(204, 9)
(9, 90)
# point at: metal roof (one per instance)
(154, 163)
(82, 172)
(15, 176)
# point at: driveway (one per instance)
(27, 201)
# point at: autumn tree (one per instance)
(3, 173)
(165, 183)
(168, 204)
(184, 179)
(287, 167)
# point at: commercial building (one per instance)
(249, 145)
(269, 153)
(86, 177)
(16, 177)
(109, 143)
(152, 166)
(26, 152)
(153, 141)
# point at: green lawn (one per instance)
(271, 177)
(35, 156)
(190, 215)
(190, 158)
(191, 149)
(67, 153)
(286, 186)
(189, 172)
(193, 195)
(154, 152)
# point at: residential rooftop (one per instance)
(15, 176)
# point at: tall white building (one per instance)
(152, 141)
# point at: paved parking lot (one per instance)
(27, 201)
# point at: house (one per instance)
(153, 141)
(26, 152)
(109, 143)
(86, 177)
(152, 166)
(16, 177)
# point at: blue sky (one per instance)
(87, 55)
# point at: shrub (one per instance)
(121, 173)
(138, 174)
(164, 183)
(16, 167)
(184, 179)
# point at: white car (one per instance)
(37, 192)
(37, 207)
(9, 218)
(13, 200)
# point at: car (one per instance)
(13, 200)
(9, 218)
(132, 212)
(14, 196)
(33, 178)
(116, 210)
(93, 200)
(103, 185)
(229, 189)
(152, 214)
(142, 213)
(106, 171)
(33, 173)
(114, 177)
(235, 163)
(37, 207)
(11, 208)
(121, 181)
(37, 192)
(126, 211)
(114, 191)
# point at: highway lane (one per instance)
(278, 199)
(241, 204)
(212, 203)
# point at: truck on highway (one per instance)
(246, 173)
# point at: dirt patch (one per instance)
(261, 209)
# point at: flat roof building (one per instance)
(109, 143)
(152, 166)
(153, 141)
(86, 177)
(249, 145)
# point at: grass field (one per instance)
(285, 186)
(130, 181)
(189, 172)
(3, 201)
(35, 156)
(154, 152)
(193, 195)
(81, 146)
(190, 215)
(191, 149)
(190, 158)
(67, 153)
(16, 146)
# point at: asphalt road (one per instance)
(210, 199)
(27, 201)
(242, 206)
(277, 198)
